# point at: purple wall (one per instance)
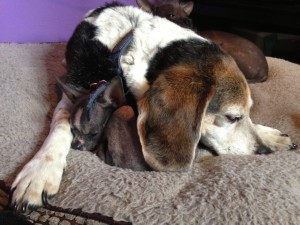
(43, 20)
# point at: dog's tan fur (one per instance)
(174, 108)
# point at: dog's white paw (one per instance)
(274, 140)
(41, 176)
(39, 180)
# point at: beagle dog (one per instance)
(187, 90)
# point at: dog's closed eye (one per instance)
(233, 118)
(76, 132)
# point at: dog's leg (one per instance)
(273, 139)
(41, 176)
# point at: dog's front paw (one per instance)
(38, 181)
(274, 140)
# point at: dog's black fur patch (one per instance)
(185, 52)
(87, 59)
(97, 11)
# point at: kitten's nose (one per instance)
(76, 145)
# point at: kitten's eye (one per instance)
(233, 118)
(92, 135)
(171, 15)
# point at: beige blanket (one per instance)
(259, 189)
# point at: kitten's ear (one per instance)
(144, 5)
(114, 93)
(71, 93)
(187, 7)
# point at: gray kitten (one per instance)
(102, 122)
(91, 112)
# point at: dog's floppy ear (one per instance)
(71, 93)
(114, 93)
(170, 116)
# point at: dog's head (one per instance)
(90, 114)
(227, 127)
(208, 99)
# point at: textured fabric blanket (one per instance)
(258, 189)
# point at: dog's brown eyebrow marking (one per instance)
(231, 86)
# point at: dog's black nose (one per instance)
(261, 150)
(293, 146)
(76, 145)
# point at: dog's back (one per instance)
(89, 49)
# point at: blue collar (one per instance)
(98, 91)
(119, 49)
(99, 88)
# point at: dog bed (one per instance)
(257, 189)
